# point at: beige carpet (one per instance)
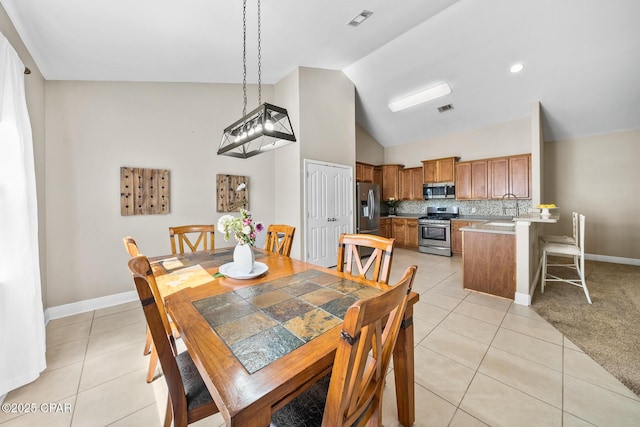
(609, 329)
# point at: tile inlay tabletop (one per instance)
(306, 305)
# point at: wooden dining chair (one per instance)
(132, 249)
(355, 387)
(149, 348)
(131, 246)
(188, 400)
(279, 239)
(349, 249)
(195, 237)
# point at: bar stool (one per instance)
(570, 240)
(563, 249)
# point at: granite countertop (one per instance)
(495, 227)
(536, 217)
(485, 218)
(404, 215)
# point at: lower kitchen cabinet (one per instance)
(489, 263)
(456, 234)
(405, 231)
(386, 227)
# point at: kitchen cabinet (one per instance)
(489, 263)
(439, 170)
(386, 227)
(364, 172)
(510, 175)
(377, 177)
(391, 181)
(472, 180)
(412, 233)
(405, 231)
(410, 186)
(456, 234)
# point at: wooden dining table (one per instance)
(259, 342)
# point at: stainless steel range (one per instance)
(434, 230)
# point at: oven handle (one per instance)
(435, 225)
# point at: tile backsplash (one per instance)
(467, 207)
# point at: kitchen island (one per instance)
(502, 258)
(489, 258)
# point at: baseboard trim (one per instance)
(612, 259)
(88, 305)
(522, 299)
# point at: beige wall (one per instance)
(504, 139)
(287, 182)
(92, 129)
(325, 127)
(597, 176)
(35, 92)
(537, 155)
(327, 116)
(368, 150)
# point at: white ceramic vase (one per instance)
(243, 258)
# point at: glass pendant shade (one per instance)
(266, 128)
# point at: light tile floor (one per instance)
(480, 360)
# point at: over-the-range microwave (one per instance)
(439, 190)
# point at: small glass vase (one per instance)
(243, 258)
(392, 210)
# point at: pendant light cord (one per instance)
(259, 59)
(244, 57)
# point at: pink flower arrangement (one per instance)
(244, 228)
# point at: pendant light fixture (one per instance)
(265, 128)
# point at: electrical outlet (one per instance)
(473, 210)
(424, 209)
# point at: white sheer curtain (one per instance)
(22, 334)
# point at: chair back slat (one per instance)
(195, 237)
(380, 259)
(574, 217)
(279, 239)
(368, 336)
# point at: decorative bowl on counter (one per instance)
(545, 209)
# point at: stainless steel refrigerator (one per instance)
(368, 210)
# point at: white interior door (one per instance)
(329, 210)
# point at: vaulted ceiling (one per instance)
(581, 57)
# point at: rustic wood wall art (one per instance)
(232, 193)
(144, 191)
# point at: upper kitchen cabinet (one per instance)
(364, 172)
(439, 170)
(391, 181)
(472, 180)
(510, 175)
(411, 184)
(377, 176)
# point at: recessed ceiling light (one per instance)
(516, 68)
(420, 97)
(360, 18)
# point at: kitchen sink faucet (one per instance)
(516, 207)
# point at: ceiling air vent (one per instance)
(445, 108)
(360, 18)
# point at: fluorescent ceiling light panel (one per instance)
(420, 97)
